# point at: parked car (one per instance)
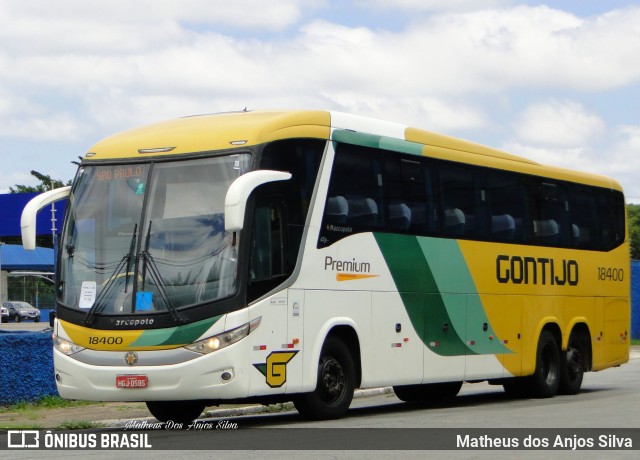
(21, 311)
(4, 314)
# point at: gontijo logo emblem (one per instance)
(275, 369)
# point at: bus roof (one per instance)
(205, 133)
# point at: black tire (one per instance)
(36, 320)
(515, 387)
(430, 392)
(573, 364)
(18, 318)
(176, 411)
(334, 389)
(545, 380)
(409, 393)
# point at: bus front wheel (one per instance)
(334, 388)
(183, 412)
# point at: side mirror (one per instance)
(30, 211)
(235, 201)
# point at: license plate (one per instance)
(131, 381)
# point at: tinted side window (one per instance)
(463, 201)
(550, 224)
(377, 190)
(583, 217)
(354, 200)
(409, 203)
(507, 196)
(611, 218)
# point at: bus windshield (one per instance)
(144, 238)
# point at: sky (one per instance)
(556, 82)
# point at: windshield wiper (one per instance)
(98, 306)
(150, 264)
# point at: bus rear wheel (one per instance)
(430, 392)
(176, 411)
(334, 388)
(574, 365)
(545, 380)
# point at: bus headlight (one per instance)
(65, 346)
(223, 340)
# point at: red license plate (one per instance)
(131, 381)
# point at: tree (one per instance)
(46, 184)
(633, 212)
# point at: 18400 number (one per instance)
(105, 340)
(610, 274)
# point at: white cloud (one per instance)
(565, 124)
(630, 141)
(428, 113)
(55, 127)
(439, 57)
(81, 69)
(622, 161)
(22, 118)
(240, 14)
(524, 46)
(565, 157)
(434, 5)
(614, 157)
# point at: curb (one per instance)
(233, 412)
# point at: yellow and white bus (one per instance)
(296, 255)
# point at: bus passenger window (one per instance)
(583, 218)
(463, 201)
(611, 211)
(355, 195)
(550, 215)
(507, 198)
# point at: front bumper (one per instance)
(209, 377)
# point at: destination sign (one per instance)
(120, 173)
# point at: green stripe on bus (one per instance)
(377, 142)
(419, 292)
(179, 335)
(438, 293)
(454, 281)
(397, 145)
(351, 137)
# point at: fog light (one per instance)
(226, 375)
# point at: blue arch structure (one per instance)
(11, 206)
(14, 258)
